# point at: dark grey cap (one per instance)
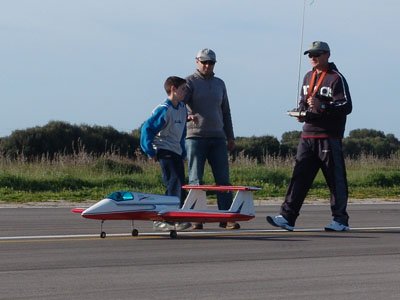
(206, 54)
(318, 47)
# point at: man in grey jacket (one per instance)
(209, 131)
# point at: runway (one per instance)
(50, 253)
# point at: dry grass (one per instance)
(84, 176)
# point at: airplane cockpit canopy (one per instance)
(121, 196)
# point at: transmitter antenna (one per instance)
(301, 49)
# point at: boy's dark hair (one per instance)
(174, 81)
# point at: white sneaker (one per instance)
(336, 226)
(183, 226)
(163, 226)
(279, 221)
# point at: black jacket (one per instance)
(333, 100)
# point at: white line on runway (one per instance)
(240, 232)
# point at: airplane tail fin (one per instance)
(196, 199)
(243, 203)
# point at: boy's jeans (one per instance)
(173, 173)
(214, 150)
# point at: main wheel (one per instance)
(135, 232)
(173, 234)
(102, 234)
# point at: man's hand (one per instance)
(193, 118)
(231, 145)
(316, 105)
(311, 103)
(301, 119)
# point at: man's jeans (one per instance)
(215, 151)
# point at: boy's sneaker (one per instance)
(279, 221)
(336, 226)
(183, 226)
(157, 225)
(163, 226)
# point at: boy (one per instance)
(163, 140)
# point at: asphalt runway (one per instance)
(50, 253)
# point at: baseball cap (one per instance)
(318, 47)
(206, 54)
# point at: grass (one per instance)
(82, 177)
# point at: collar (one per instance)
(199, 74)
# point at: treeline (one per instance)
(61, 138)
(359, 142)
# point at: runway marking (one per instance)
(155, 234)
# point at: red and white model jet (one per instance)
(139, 206)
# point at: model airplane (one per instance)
(133, 206)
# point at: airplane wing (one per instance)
(78, 210)
(203, 216)
(221, 188)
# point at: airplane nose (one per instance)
(102, 206)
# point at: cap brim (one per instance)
(205, 59)
(315, 52)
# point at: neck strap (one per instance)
(312, 90)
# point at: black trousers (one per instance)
(173, 173)
(312, 155)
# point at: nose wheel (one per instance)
(173, 234)
(102, 233)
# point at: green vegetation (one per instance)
(60, 161)
(82, 177)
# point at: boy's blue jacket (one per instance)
(165, 129)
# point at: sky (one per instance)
(104, 62)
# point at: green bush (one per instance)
(116, 166)
(383, 179)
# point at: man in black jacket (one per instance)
(325, 102)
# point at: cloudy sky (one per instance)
(103, 62)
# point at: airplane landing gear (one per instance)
(173, 234)
(102, 233)
(135, 232)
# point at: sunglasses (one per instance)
(311, 55)
(208, 62)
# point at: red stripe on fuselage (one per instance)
(188, 216)
(142, 215)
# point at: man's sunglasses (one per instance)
(311, 55)
(208, 62)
